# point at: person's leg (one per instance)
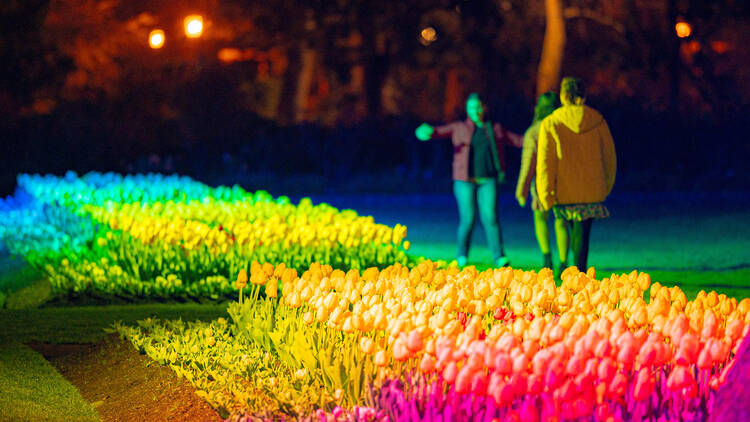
(576, 237)
(465, 193)
(487, 201)
(541, 229)
(561, 235)
(582, 254)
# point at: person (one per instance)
(544, 107)
(575, 170)
(478, 168)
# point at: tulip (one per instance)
(414, 342)
(463, 379)
(450, 372)
(503, 363)
(427, 364)
(679, 378)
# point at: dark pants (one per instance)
(468, 196)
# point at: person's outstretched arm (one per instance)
(609, 158)
(425, 131)
(507, 137)
(546, 167)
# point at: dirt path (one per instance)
(124, 385)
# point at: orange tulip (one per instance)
(242, 279)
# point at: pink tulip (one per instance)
(503, 364)
(719, 351)
(582, 407)
(555, 375)
(489, 357)
(513, 416)
(463, 379)
(679, 378)
(507, 341)
(644, 385)
(556, 334)
(690, 346)
(625, 339)
(477, 347)
(539, 361)
(427, 365)
(710, 324)
(535, 384)
(566, 391)
(680, 326)
(626, 356)
(479, 384)
(520, 364)
(725, 371)
(529, 411)
(606, 369)
(619, 385)
(400, 351)
(415, 342)
(575, 365)
(530, 347)
(704, 359)
(734, 329)
(444, 355)
(604, 412)
(518, 383)
(450, 372)
(592, 365)
(603, 349)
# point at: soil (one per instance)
(125, 385)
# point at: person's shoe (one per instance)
(503, 261)
(563, 265)
(461, 261)
(547, 261)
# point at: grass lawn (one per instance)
(86, 324)
(32, 390)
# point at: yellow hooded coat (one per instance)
(576, 160)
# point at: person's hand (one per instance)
(521, 200)
(501, 177)
(424, 132)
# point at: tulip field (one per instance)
(168, 237)
(331, 319)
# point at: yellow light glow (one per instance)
(683, 29)
(429, 34)
(194, 26)
(156, 38)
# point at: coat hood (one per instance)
(578, 118)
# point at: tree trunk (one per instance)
(304, 83)
(548, 74)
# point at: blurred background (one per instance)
(323, 96)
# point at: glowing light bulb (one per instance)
(156, 39)
(193, 26)
(683, 29)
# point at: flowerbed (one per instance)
(169, 237)
(443, 344)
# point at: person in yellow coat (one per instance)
(575, 170)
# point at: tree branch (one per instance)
(576, 12)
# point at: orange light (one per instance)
(720, 47)
(156, 38)
(683, 29)
(193, 26)
(229, 55)
(428, 35)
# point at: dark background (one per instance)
(321, 97)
